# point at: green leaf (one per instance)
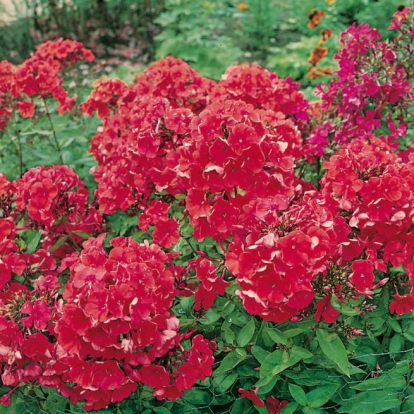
(391, 380)
(211, 316)
(55, 402)
(409, 336)
(231, 360)
(275, 363)
(58, 244)
(290, 333)
(371, 402)
(320, 396)
(335, 303)
(397, 344)
(311, 378)
(229, 336)
(197, 397)
(240, 406)
(394, 324)
(343, 308)
(274, 359)
(301, 352)
(290, 408)
(222, 399)
(82, 234)
(31, 238)
(127, 410)
(265, 389)
(353, 370)
(333, 348)
(224, 381)
(246, 333)
(259, 353)
(277, 336)
(298, 394)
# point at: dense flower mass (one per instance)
(117, 320)
(262, 89)
(220, 212)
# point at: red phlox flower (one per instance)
(396, 253)
(167, 393)
(107, 375)
(155, 376)
(37, 347)
(177, 81)
(156, 211)
(211, 284)
(252, 396)
(53, 193)
(26, 109)
(64, 51)
(104, 97)
(295, 247)
(166, 233)
(222, 217)
(362, 276)
(39, 314)
(403, 304)
(197, 203)
(325, 311)
(79, 371)
(275, 406)
(263, 89)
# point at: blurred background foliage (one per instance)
(210, 35)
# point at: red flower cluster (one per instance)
(211, 284)
(116, 326)
(57, 202)
(177, 81)
(276, 263)
(6, 98)
(114, 331)
(65, 51)
(262, 89)
(373, 189)
(146, 145)
(54, 196)
(28, 310)
(236, 155)
(104, 97)
(38, 76)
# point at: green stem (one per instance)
(19, 145)
(312, 335)
(53, 130)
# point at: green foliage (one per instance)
(212, 35)
(16, 42)
(196, 31)
(47, 140)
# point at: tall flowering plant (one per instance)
(206, 272)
